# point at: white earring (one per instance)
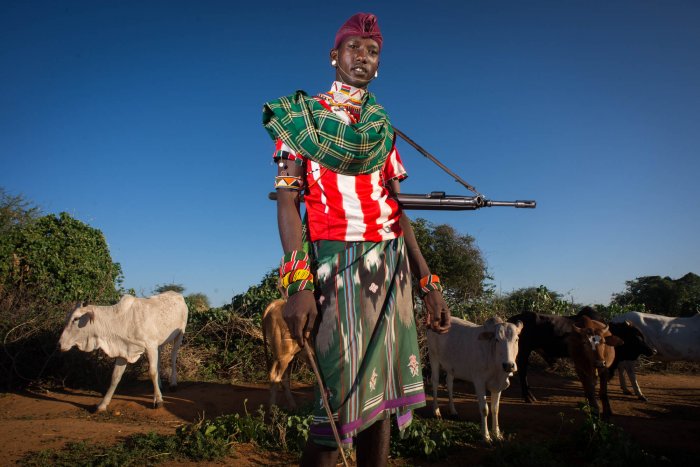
(334, 63)
(376, 73)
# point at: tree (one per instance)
(46, 265)
(253, 302)
(662, 295)
(540, 300)
(169, 288)
(197, 302)
(15, 211)
(455, 258)
(58, 259)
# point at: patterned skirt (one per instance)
(366, 343)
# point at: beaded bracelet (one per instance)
(428, 284)
(296, 275)
(295, 259)
(295, 272)
(298, 286)
(289, 182)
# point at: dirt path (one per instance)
(668, 424)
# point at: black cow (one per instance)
(544, 334)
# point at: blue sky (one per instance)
(142, 118)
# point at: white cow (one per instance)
(672, 338)
(125, 330)
(484, 355)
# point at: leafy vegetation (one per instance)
(47, 263)
(591, 442)
(662, 295)
(431, 438)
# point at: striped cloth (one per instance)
(366, 343)
(304, 124)
(347, 207)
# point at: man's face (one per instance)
(358, 60)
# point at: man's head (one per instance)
(355, 54)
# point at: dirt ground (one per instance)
(668, 424)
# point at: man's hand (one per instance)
(437, 317)
(300, 314)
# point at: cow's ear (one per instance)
(91, 316)
(629, 323)
(486, 336)
(613, 341)
(519, 325)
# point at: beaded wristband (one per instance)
(294, 276)
(295, 259)
(298, 286)
(289, 182)
(428, 284)
(295, 272)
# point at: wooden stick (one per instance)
(324, 398)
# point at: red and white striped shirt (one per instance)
(349, 208)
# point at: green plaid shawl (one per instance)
(310, 129)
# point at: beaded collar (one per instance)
(344, 96)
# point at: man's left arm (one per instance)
(438, 314)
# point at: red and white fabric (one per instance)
(349, 208)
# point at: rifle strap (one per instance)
(434, 159)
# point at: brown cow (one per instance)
(592, 348)
(282, 347)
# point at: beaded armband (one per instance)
(295, 272)
(289, 182)
(428, 284)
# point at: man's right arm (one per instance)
(300, 311)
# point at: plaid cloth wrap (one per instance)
(366, 343)
(310, 129)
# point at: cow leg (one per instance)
(153, 373)
(607, 411)
(480, 389)
(173, 359)
(450, 387)
(523, 362)
(635, 384)
(434, 380)
(623, 367)
(119, 367)
(588, 383)
(495, 406)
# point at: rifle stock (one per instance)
(439, 201)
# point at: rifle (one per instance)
(439, 201)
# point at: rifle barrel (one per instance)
(439, 201)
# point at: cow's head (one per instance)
(504, 338)
(78, 329)
(635, 344)
(597, 342)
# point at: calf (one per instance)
(484, 355)
(125, 330)
(282, 347)
(592, 348)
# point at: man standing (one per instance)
(338, 149)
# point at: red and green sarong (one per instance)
(366, 344)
